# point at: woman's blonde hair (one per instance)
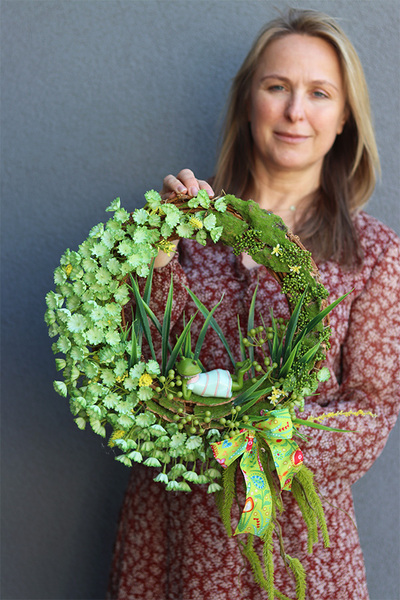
(349, 169)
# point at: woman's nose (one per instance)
(295, 107)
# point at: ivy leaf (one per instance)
(60, 364)
(220, 205)
(153, 199)
(54, 300)
(140, 216)
(95, 335)
(141, 235)
(81, 423)
(60, 388)
(204, 199)
(194, 202)
(153, 368)
(137, 370)
(172, 214)
(185, 230)
(154, 220)
(166, 230)
(194, 442)
(323, 374)
(63, 344)
(145, 393)
(178, 440)
(201, 237)
(113, 266)
(113, 338)
(108, 238)
(210, 222)
(115, 205)
(96, 231)
(121, 215)
(216, 234)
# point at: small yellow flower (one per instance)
(116, 435)
(295, 269)
(145, 379)
(276, 395)
(277, 250)
(68, 269)
(166, 247)
(195, 222)
(120, 378)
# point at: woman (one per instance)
(299, 141)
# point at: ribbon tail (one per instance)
(257, 510)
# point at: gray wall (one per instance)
(101, 99)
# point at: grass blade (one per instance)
(165, 327)
(204, 311)
(178, 345)
(141, 311)
(242, 346)
(311, 325)
(244, 396)
(203, 331)
(291, 327)
(250, 325)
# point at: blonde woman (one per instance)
(299, 141)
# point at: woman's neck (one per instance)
(288, 195)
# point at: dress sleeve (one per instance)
(369, 381)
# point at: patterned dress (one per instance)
(172, 545)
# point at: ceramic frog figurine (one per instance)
(217, 383)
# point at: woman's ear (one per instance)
(342, 123)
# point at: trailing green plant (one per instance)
(108, 342)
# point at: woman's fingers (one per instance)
(185, 183)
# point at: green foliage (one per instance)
(101, 316)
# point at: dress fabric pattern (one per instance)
(172, 545)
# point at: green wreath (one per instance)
(145, 407)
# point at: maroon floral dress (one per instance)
(172, 545)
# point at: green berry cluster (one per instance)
(248, 242)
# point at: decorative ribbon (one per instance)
(277, 431)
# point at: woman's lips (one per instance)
(290, 138)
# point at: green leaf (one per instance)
(178, 345)
(323, 374)
(244, 396)
(165, 327)
(60, 388)
(153, 199)
(291, 327)
(204, 311)
(185, 230)
(204, 199)
(220, 205)
(204, 329)
(143, 318)
(115, 205)
(216, 234)
(210, 222)
(140, 216)
(250, 324)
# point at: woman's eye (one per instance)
(276, 88)
(319, 94)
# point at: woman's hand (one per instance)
(184, 183)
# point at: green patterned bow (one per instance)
(277, 430)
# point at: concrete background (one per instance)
(102, 99)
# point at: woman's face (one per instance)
(297, 105)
